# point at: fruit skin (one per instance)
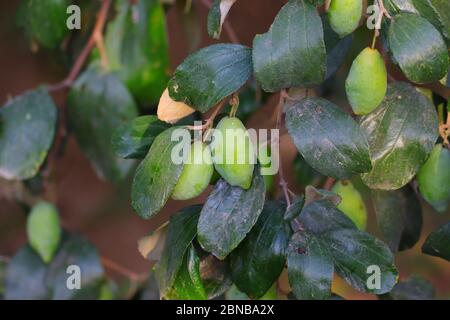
(196, 174)
(434, 178)
(352, 203)
(366, 84)
(344, 16)
(43, 230)
(227, 154)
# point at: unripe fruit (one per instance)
(233, 153)
(434, 178)
(344, 16)
(352, 203)
(366, 84)
(265, 160)
(196, 173)
(43, 230)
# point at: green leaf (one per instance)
(259, 259)
(353, 251)
(75, 250)
(328, 138)
(182, 230)
(136, 44)
(43, 230)
(228, 215)
(156, 176)
(44, 21)
(438, 243)
(305, 174)
(400, 136)
(399, 217)
(211, 74)
(216, 276)
(27, 129)
(295, 208)
(396, 6)
(98, 104)
(188, 284)
(418, 48)
(133, 139)
(438, 13)
(292, 53)
(25, 277)
(310, 267)
(414, 288)
(217, 15)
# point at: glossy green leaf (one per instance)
(310, 267)
(292, 53)
(295, 208)
(44, 21)
(414, 288)
(305, 174)
(75, 250)
(217, 15)
(44, 230)
(25, 277)
(438, 13)
(133, 139)
(399, 217)
(155, 177)
(438, 243)
(188, 284)
(259, 259)
(98, 103)
(27, 124)
(216, 276)
(418, 48)
(228, 215)
(401, 134)
(397, 6)
(328, 138)
(182, 230)
(211, 74)
(136, 44)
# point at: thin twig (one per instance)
(96, 38)
(209, 122)
(329, 183)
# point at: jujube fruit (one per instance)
(352, 204)
(344, 16)
(196, 174)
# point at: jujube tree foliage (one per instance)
(394, 139)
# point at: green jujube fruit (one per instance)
(344, 16)
(196, 174)
(434, 178)
(352, 204)
(366, 84)
(43, 230)
(233, 153)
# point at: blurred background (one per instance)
(100, 210)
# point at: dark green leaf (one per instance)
(397, 6)
(133, 139)
(182, 230)
(217, 15)
(292, 53)
(328, 138)
(44, 21)
(295, 208)
(27, 129)
(155, 177)
(188, 284)
(438, 243)
(75, 250)
(304, 173)
(414, 288)
(25, 277)
(438, 13)
(211, 74)
(336, 47)
(401, 134)
(310, 267)
(354, 251)
(136, 44)
(150, 291)
(215, 275)
(418, 48)
(399, 217)
(98, 104)
(259, 259)
(228, 215)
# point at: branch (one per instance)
(96, 38)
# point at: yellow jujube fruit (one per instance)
(366, 84)
(344, 16)
(196, 173)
